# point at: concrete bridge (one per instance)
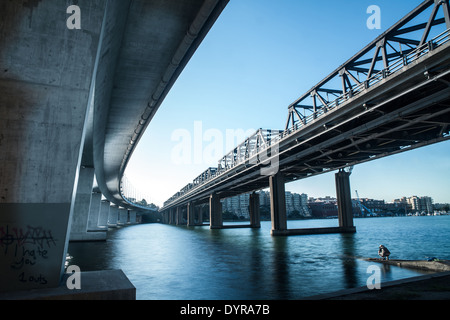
(391, 97)
(78, 87)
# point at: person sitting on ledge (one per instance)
(383, 252)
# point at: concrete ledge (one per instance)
(436, 266)
(95, 285)
(293, 232)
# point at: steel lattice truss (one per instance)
(400, 45)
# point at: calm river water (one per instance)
(179, 263)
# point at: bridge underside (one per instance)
(73, 104)
(147, 45)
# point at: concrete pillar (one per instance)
(215, 212)
(94, 211)
(133, 215)
(278, 203)
(179, 216)
(344, 199)
(123, 217)
(104, 213)
(255, 217)
(200, 215)
(82, 204)
(168, 215)
(45, 84)
(191, 209)
(172, 216)
(113, 217)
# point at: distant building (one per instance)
(421, 204)
(239, 205)
(323, 209)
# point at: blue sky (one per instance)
(260, 56)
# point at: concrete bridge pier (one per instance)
(132, 216)
(344, 199)
(94, 232)
(215, 212)
(94, 211)
(104, 213)
(82, 203)
(123, 217)
(172, 213)
(113, 216)
(255, 216)
(179, 216)
(200, 216)
(191, 209)
(86, 208)
(278, 208)
(278, 204)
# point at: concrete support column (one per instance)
(191, 214)
(172, 216)
(179, 216)
(169, 216)
(278, 203)
(215, 212)
(123, 217)
(104, 213)
(255, 216)
(82, 204)
(94, 211)
(45, 83)
(200, 215)
(113, 216)
(133, 215)
(344, 199)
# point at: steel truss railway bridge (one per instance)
(391, 97)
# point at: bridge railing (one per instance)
(262, 140)
(133, 197)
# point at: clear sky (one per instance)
(260, 56)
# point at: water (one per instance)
(179, 263)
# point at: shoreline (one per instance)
(435, 266)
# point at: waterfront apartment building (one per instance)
(421, 204)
